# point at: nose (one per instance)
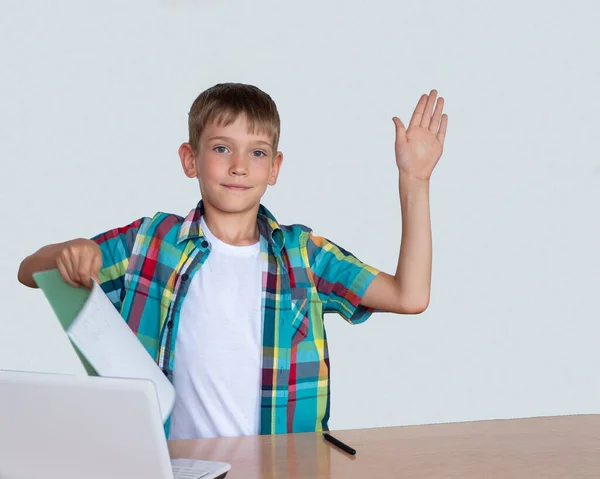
(239, 166)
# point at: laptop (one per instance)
(74, 427)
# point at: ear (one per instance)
(275, 168)
(188, 160)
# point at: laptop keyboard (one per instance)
(189, 473)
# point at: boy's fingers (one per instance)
(65, 274)
(80, 272)
(84, 274)
(398, 122)
(87, 270)
(418, 113)
(426, 118)
(85, 277)
(434, 124)
(69, 268)
(400, 129)
(443, 125)
(97, 266)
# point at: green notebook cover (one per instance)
(66, 301)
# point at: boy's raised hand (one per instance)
(79, 261)
(419, 148)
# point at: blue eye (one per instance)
(258, 153)
(220, 149)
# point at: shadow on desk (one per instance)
(254, 457)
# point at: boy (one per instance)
(229, 302)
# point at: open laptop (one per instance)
(74, 427)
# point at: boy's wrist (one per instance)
(411, 183)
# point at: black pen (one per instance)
(339, 444)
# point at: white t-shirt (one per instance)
(218, 350)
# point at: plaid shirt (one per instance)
(146, 272)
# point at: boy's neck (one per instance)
(237, 229)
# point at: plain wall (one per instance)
(93, 106)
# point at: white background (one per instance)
(93, 104)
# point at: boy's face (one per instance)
(232, 165)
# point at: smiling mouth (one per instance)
(236, 187)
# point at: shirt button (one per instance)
(170, 323)
(185, 277)
(204, 244)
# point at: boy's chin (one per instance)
(233, 205)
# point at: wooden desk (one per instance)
(567, 447)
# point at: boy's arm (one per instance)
(107, 254)
(407, 292)
(417, 152)
(42, 260)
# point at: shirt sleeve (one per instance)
(116, 246)
(340, 278)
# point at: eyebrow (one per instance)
(225, 138)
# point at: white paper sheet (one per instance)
(112, 348)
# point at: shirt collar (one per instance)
(267, 226)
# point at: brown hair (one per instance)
(224, 102)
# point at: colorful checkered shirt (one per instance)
(147, 268)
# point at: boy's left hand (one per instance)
(419, 148)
